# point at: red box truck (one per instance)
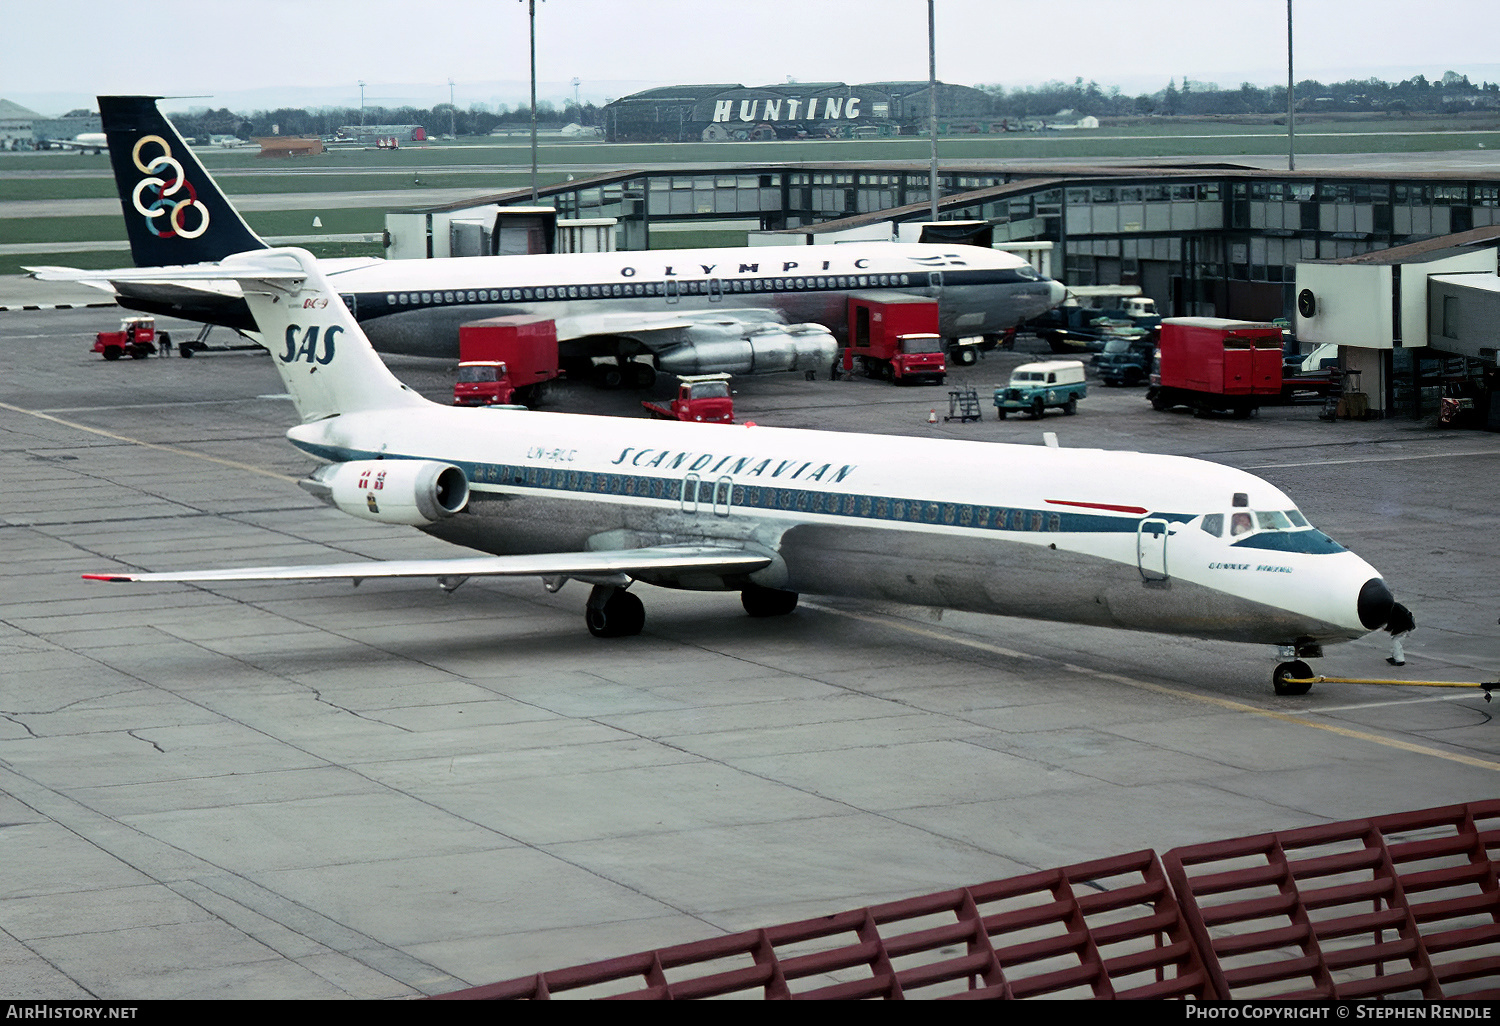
(895, 338)
(1213, 365)
(504, 360)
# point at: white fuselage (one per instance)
(415, 306)
(1088, 536)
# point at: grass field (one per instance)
(102, 184)
(1156, 137)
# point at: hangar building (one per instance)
(716, 113)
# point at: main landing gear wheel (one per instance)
(609, 375)
(619, 616)
(768, 601)
(1295, 671)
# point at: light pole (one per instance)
(932, 177)
(531, 6)
(1291, 106)
(361, 104)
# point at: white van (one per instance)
(1035, 386)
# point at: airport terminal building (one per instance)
(1219, 241)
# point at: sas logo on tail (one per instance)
(156, 197)
(310, 348)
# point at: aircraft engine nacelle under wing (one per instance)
(750, 349)
(410, 492)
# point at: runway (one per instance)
(317, 791)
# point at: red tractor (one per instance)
(136, 338)
(701, 399)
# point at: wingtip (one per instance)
(117, 578)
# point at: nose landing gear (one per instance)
(1294, 677)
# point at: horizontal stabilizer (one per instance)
(657, 560)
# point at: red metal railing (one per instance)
(1403, 905)
(1103, 929)
(1406, 905)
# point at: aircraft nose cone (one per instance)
(1058, 292)
(1375, 604)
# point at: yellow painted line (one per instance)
(190, 454)
(1161, 689)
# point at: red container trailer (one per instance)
(895, 338)
(1210, 364)
(505, 360)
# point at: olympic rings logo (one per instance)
(162, 190)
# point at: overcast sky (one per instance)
(258, 53)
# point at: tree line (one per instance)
(1451, 93)
(325, 121)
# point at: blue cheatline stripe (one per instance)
(375, 304)
(712, 493)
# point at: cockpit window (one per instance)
(1028, 272)
(1260, 520)
(1272, 521)
(1279, 531)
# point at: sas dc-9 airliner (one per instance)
(1116, 539)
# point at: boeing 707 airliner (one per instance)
(742, 311)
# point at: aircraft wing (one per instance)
(751, 340)
(637, 323)
(93, 279)
(665, 561)
(196, 292)
(98, 146)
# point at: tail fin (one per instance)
(174, 212)
(325, 360)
